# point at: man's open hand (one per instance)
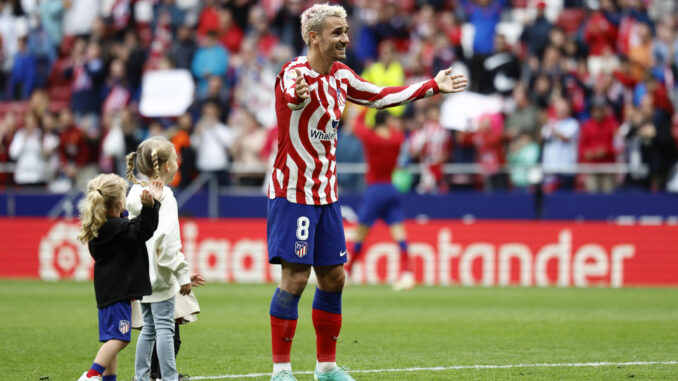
(450, 83)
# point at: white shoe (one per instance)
(85, 378)
(406, 282)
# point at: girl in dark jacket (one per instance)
(120, 262)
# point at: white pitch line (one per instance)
(458, 367)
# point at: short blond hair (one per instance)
(314, 17)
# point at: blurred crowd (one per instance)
(575, 82)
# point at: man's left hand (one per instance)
(450, 83)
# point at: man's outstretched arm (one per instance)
(368, 94)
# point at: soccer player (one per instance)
(304, 227)
(381, 200)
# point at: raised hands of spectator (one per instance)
(450, 83)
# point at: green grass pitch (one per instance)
(50, 329)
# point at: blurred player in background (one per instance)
(304, 224)
(382, 200)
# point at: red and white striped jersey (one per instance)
(305, 170)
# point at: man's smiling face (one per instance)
(333, 39)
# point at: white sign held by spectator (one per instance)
(166, 93)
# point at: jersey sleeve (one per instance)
(288, 87)
(368, 94)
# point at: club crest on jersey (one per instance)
(300, 249)
(123, 327)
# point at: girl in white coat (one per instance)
(156, 159)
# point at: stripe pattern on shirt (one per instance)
(305, 168)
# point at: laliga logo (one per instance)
(62, 255)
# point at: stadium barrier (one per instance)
(444, 252)
(558, 206)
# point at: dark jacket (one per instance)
(120, 257)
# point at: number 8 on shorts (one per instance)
(302, 228)
(305, 234)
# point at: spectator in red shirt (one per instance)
(489, 142)
(596, 145)
(73, 148)
(430, 145)
(230, 34)
(600, 34)
(209, 18)
(260, 31)
(451, 26)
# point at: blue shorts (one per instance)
(115, 322)
(381, 201)
(305, 234)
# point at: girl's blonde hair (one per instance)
(104, 192)
(151, 154)
(314, 17)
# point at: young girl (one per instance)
(120, 262)
(156, 159)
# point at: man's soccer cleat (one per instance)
(283, 375)
(85, 378)
(406, 282)
(334, 374)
